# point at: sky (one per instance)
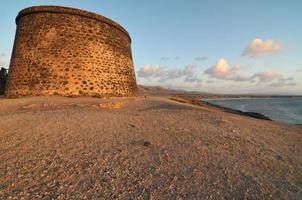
(234, 46)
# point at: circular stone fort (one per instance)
(69, 52)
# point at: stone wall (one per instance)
(3, 77)
(69, 52)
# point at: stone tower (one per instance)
(69, 52)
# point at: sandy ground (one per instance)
(143, 148)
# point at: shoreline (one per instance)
(247, 113)
(235, 98)
(249, 97)
(239, 112)
(199, 102)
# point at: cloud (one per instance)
(267, 76)
(183, 78)
(259, 47)
(201, 58)
(148, 71)
(187, 85)
(275, 79)
(166, 73)
(192, 79)
(188, 72)
(222, 70)
(284, 82)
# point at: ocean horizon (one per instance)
(281, 109)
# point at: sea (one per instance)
(282, 109)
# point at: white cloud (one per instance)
(189, 70)
(222, 70)
(166, 73)
(275, 79)
(267, 76)
(187, 85)
(259, 47)
(192, 79)
(185, 78)
(284, 82)
(149, 71)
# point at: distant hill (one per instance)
(162, 91)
